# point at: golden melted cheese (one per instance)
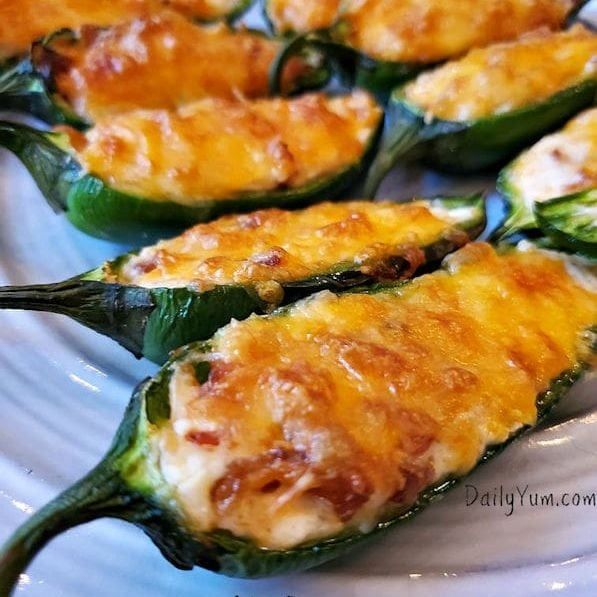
(218, 149)
(301, 16)
(23, 21)
(338, 411)
(282, 246)
(205, 9)
(435, 30)
(159, 62)
(506, 76)
(559, 164)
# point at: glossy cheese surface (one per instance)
(506, 76)
(339, 410)
(158, 62)
(301, 16)
(220, 149)
(205, 9)
(435, 30)
(560, 164)
(23, 21)
(276, 245)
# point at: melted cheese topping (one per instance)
(339, 411)
(284, 246)
(219, 149)
(205, 9)
(559, 164)
(159, 62)
(301, 16)
(435, 30)
(23, 21)
(506, 76)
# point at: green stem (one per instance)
(119, 312)
(396, 142)
(101, 493)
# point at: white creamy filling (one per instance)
(457, 215)
(550, 169)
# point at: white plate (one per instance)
(63, 390)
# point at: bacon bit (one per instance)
(346, 492)
(557, 154)
(399, 266)
(203, 438)
(49, 63)
(266, 473)
(272, 257)
(417, 431)
(416, 478)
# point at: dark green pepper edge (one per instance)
(101, 211)
(351, 66)
(110, 490)
(562, 236)
(153, 322)
(474, 145)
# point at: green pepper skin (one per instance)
(127, 486)
(353, 67)
(469, 146)
(559, 219)
(101, 211)
(151, 322)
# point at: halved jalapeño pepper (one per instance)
(560, 164)
(389, 41)
(474, 113)
(24, 21)
(144, 173)
(287, 440)
(186, 288)
(160, 61)
(571, 222)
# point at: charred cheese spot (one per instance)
(337, 412)
(218, 149)
(301, 16)
(559, 164)
(379, 239)
(435, 30)
(504, 77)
(159, 62)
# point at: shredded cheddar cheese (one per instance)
(506, 76)
(287, 246)
(301, 16)
(218, 149)
(336, 412)
(24, 21)
(163, 61)
(436, 30)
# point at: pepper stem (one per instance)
(119, 312)
(396, 142)
(101, 493)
